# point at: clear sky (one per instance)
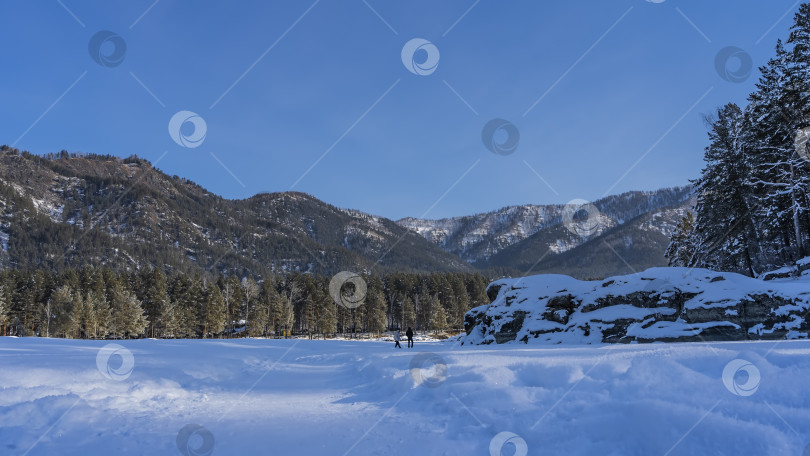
(314, 96)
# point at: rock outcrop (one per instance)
(659, 304)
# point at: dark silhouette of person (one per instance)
(409, 335)
(397, 338)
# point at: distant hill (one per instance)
(101, 210)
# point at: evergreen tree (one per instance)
(326, 312)
(438, 316)
(60, 309)
(82, 317)
(477, 290)
(724, 223)
(250, 291)
(214, 313)
(377, 307)
(461, 301)
(681, 249)
(3, 312)
(170, 319)
(408, 313)
(128, 317)
(103, 316)
(779, 173)
(154, 295)
(753, 197)
(291, 294)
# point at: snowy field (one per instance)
(288, 397)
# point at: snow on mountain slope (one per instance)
(658, 304)
(635, 245)
(496, 229)
(478, 237)
(288, 397)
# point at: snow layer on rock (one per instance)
(531, 306)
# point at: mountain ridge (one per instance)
(105, 210)
(479, 237)
(67, 210)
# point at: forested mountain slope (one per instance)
(68, 210)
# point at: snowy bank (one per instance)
(659, 304)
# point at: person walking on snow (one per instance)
(409, 335)
(397, 338)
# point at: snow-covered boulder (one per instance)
(659, 304)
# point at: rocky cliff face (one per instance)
(659, 304)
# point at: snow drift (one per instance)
(659, 304)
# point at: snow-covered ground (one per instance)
(291, 397)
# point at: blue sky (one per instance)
(283, 86)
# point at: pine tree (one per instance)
(82, 317)
(60, 308)
(326, 313)
(133, 322)
(231, 292)
(779, 174)
(286, 317)
(292, 294)
(269, 308)
(681, 249)
(102, 317)
(3, 312)
(461, 301)
(478, 291)
(154, 295)
(357, 318)
(409, 313)
(753, 209)
(438, 316)
(260, 314)
(377, 307)
(214, 312)
(249, 292)
(170, 319)
(724, 226)
(800, 161)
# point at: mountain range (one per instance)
(631, 233)
(70, 210)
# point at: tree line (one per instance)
(753, 195)
(93, 303)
